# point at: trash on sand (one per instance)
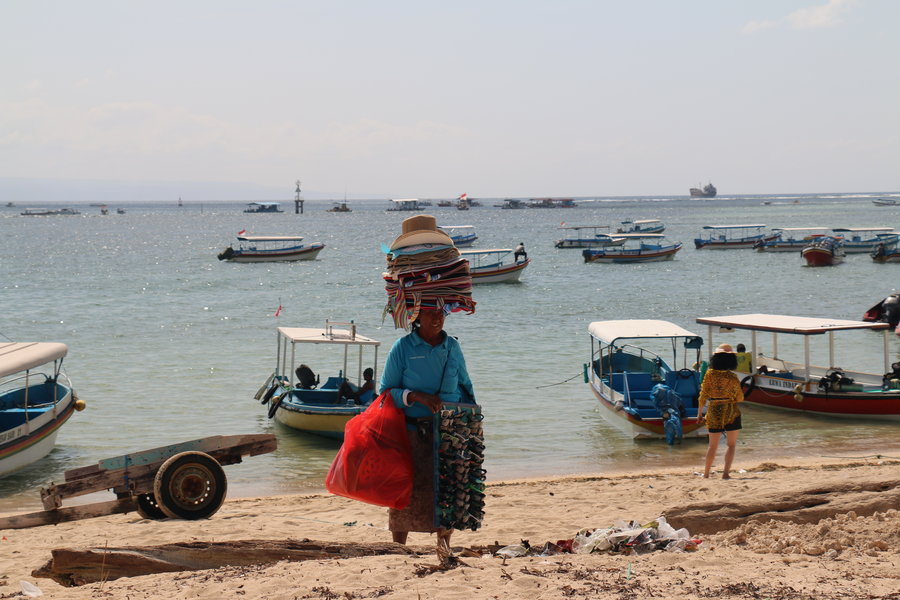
(31, 590)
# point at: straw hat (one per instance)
(421, 229)
(724, 348)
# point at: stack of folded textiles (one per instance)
(426, 276)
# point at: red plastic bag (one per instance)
(374, 464)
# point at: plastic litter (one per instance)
(624, 537)
(31, 590)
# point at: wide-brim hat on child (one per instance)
(420, 229)
(724, 348)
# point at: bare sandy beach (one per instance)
(783, 529)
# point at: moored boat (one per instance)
(271, 248)
(552, 203)
(823, 251)
(790, 239)
(36, 399)
(293, 392)
(261, 207)
(727, 237)
(587, 236)
(340, 207)
(512, 203)
(642, 226)
(494, 266)
(884, 202)
(462, 235)
(405, 205)
(630, 376)
(804, 387)
(859, 240)
(637, 247)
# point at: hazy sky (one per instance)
(431, 99)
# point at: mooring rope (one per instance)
(537, 387)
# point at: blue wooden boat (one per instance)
(637, 248)
(726, 237)
(462, 235)
(494, 266)
(587, 236)
(312, 406)
(790, 239)
(36, 399)
(642, 226)
(629, 358)
(859, 240)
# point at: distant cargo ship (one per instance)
(708, 191)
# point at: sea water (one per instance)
(168, 344)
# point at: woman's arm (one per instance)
(465, 382)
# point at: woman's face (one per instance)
(431, 323)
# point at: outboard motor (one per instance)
(890, 310)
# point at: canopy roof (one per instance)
(642, 221)
(490, 251)
(405, 200)
(750, 226)
(303, 335)
(800, 229)
(264, 204)
(270, 238)
(630, 236)
(584, 227)
(864, 229)
(787, 324)
(16, 357)
(456, 227)
(610, 331)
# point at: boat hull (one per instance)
(251, 256)
(25, 444)
(502, 274)
(891, 257)
(780, 393)
(821, 257)
(644, 428)
(326, 421)
(630, 256)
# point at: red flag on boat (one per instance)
(463, 196)
(278, 311)
(242, 232)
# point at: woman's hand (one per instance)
(430, 400)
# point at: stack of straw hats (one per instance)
(425, 271)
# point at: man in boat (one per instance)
(520, 251)
(744, 361)
(351, 392)
(306, 379)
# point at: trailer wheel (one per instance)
(190, 485)
(148, 508)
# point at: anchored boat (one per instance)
(642, 226)
(823, 251)
(790, 239)
(494, 266)
(859, 240)
(587, 236)
(726, 237)
(462, 235)
(627, 366)
(802, 386)
(293, 392)
(636, 247)
(271, 248)
(36, 399)
(260, 207)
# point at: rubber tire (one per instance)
(269, 393)
(148, 508)
(190, 485)
(274, 403)
(750, 382)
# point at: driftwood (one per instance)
(71, 567)
(800, 506)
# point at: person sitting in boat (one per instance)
(361, 393)
(744, 362)
(520, 251)
(306, 379)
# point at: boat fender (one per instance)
(268, 394)
(750, 383)
(274, 404)
(797, 395)
(584, 370)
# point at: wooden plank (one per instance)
(74, 513)
(136, 479)
(71, 567)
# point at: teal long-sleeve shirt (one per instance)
(414, 364)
